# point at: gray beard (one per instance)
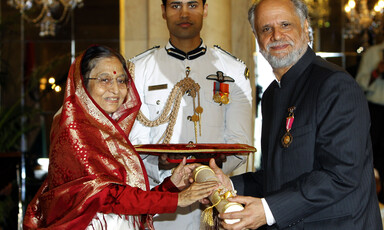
(286, 61)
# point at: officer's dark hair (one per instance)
(93, 55)
(165, 2)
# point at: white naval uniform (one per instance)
(227, 123)
(103, 221)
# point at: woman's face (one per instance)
(107, 84)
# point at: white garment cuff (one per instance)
(233, 187)
(268, 214)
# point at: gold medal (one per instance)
(224, 99)
(221, 93)
(286, 140)
(217, 97)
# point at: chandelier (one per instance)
(46, 13)
(360, 18)
(318, 12)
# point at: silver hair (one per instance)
(300, 6)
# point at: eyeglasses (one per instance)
(107, 81)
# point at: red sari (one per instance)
(93, 166)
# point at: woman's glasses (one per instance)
(106, 81)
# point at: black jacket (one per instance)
(324, 178)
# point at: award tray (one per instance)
(204, 151)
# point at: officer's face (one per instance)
(281, 35)
(184, 18)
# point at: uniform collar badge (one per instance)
(179, 54)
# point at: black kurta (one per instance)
(324, 179)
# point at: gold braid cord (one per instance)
(169, 114)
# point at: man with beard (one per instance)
(317, 170)
(223, 102)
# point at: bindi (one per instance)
(114, 72)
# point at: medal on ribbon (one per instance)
(287, 138)
(220, 93)
(220, 89)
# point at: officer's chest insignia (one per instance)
(220, 77)
(220, 89)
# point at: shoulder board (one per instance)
(246, 71)
(143, 54)
(226, 52)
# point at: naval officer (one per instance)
(220, 112)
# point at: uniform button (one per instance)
(189, 118)
(158, 102)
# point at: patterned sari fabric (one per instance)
(89, 152)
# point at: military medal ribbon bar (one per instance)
(220, 89)
(221, 93)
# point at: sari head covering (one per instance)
(89, 151)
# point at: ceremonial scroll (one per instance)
(219, 198)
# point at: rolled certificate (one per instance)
(219, 198)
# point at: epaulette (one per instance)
(246, 71)
(143, 54)
(226, 52)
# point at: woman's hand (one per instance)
(195, 192)
(181, 175)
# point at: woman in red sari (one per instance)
(96, 179)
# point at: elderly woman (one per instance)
(96, 179)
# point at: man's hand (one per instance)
(218, 159)
(252, 217)
(164, 164)
(224, 180)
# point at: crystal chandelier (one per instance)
(360, 18)
(318, 12)
(46, 13)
